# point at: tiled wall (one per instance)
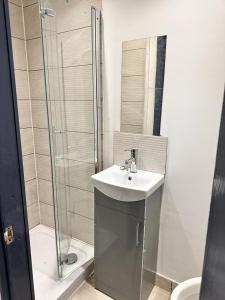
(73, 25)
(152, 150)
(24, 107)
(39, 111)
(72, 32)
(133, 85)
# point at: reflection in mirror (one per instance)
(143, 67)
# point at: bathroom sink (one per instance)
(125, 186)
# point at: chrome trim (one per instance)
(97, 85)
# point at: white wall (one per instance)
(194, 83)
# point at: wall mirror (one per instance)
(143, 68)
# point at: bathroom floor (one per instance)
(87, 292)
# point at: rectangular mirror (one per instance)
(143, 68)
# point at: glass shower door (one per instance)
(57, 134)
(72, 76)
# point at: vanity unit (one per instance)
(127, 213)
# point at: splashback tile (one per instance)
(152, 150)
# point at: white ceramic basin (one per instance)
(115, 183)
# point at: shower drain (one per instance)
(69, 259)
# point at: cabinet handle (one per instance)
(137, 234)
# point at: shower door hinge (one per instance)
(8, 235)
(47, 12)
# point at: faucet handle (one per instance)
(133, 152)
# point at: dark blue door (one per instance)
(15, 261)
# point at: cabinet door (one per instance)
(118, 247)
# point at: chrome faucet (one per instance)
(131, 163)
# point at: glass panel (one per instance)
(70, 75)
(58, 137)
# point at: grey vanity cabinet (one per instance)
(119, 232)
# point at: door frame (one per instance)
(16, 279)
(213, 276)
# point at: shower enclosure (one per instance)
(71, 39)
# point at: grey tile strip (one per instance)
(159, 83)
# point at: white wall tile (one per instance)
(152, 150)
